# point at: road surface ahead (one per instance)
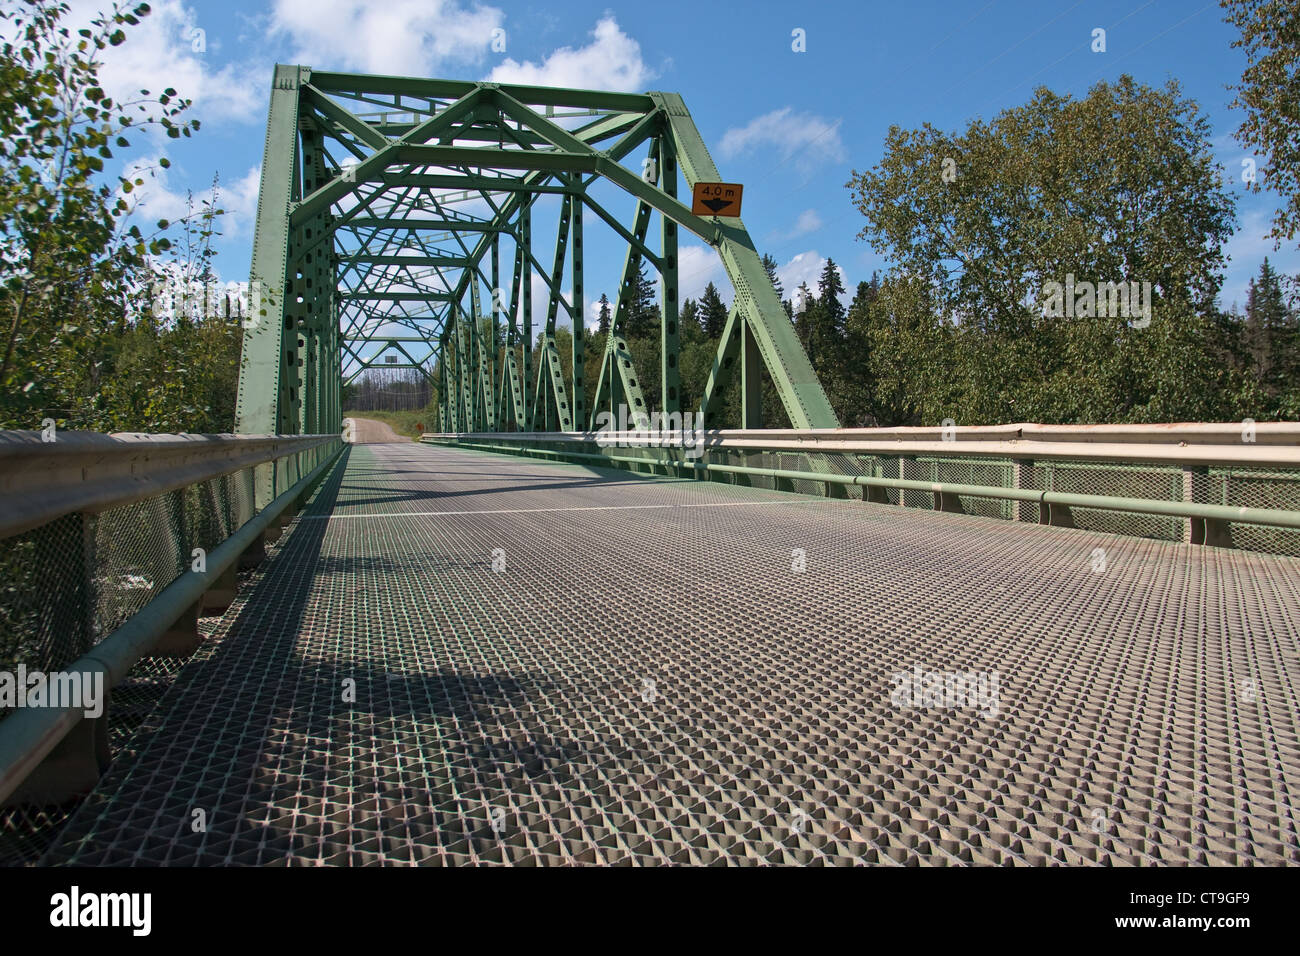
(368, 431)
(461, 657)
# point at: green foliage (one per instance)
(712, 312)
(604, 315)
(1270, 338)
(76, 342)
(769, 266)
(641, 318)
(688, 321)
(1269, 93)
(1118, 186)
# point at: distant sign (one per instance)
(716, 199)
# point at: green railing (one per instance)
(111, 548)
(1226, 485)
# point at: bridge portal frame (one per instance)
(363, 241)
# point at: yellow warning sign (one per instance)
(716, 199)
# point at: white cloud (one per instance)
(697, 266)
(239, 200)
(807, 267)
(402, 37)
(542, 299)
(158, 53)
(611, 61)
(786, 134)
(541, 302)
(807, 222)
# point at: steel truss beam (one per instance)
(383, 205)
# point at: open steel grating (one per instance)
(562, 665)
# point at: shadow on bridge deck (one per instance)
(460, 657)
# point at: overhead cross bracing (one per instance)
(401, 218)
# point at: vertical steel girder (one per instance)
(669, 339)
(382, 207)
(617, 371)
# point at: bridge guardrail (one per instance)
(1199, 483)
(111, 547)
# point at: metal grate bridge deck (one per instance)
(556, 664)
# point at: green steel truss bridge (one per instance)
(525, 640)
(399, 214)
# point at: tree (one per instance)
(713, 313)
(1269, 93)
(603, 322)
(73, 267)
(822, 327)
(1120, 186)
(911, 373)
(1272, 341)
(769, 266)
(801, 304)
(641, 320)
(829, 315)
(688, 321)
(856, 385)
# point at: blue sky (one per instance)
(789, 125)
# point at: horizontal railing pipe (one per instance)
(90, 473)
(1180, 509)
(1266, 445)
(29, 734)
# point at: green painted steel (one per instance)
(383, 206)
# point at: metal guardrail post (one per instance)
(1199, 530)
(182, 638)
(876, 494)
(221, 594)
(1021, 472)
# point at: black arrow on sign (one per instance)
(717, 205)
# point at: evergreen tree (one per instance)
(688, 321)
(603, 326)
(1270, 337)
(854, 407)
(713, 312)
(769, 266)
(802, 304)
(824, 330)
(642, 318)
(830, 310)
